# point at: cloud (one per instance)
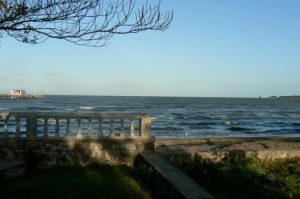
(52, 74)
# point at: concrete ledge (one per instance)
(273, 154)
(218, 149)
(193, 141)
(5, 165)
(173, 182)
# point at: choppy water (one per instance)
(184, 117)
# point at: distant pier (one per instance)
(26, 96)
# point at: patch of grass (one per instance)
(80, 182)
(248, 178)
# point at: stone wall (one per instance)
(45, 153)
(187, 151)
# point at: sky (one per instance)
(213, 48)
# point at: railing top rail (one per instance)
(73, 115)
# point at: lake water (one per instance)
(184, 117)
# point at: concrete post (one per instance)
(31, 127)
(122, 130)
(56, 127)
(5, 117)
(132, 132)
(68, 132)
(79, 131)
(100, 128)
(111, 131)
(145, 125)
(90, 128)
(5, 127)
(46, 127)
(18, 135)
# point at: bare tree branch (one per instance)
(81, 22)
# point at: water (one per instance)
(184, 117)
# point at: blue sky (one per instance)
(229, 48)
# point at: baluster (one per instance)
(100, 129)
(122, 131)
(18, 135)
(111, 132)
(90, 129)
(145, 127)
(79, 131)
(56, 127)
(46, 127)
(31, 127)
(5, 127)
(132, 133)
(68, 132)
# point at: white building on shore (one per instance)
(17, 92)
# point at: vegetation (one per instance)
(248, 178)
(82, 182)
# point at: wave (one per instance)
(154, 118)
(69, 109)
(201, 117)
(198, 123)
(282, 131)
(230, 123)
(43, 108)
(200, 127)
(167, 129)
(194, 116)
(251, 133)
(163, 117)
(87, 107)
(237, 128)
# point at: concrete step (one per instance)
(187, 187)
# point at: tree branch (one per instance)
(89, 23)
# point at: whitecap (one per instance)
(87, 107)
(154, 118)
(231, 123)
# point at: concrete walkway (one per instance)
(185, 185)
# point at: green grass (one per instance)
(248, 178)
(81, 182)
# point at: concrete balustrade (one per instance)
(83, 125)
